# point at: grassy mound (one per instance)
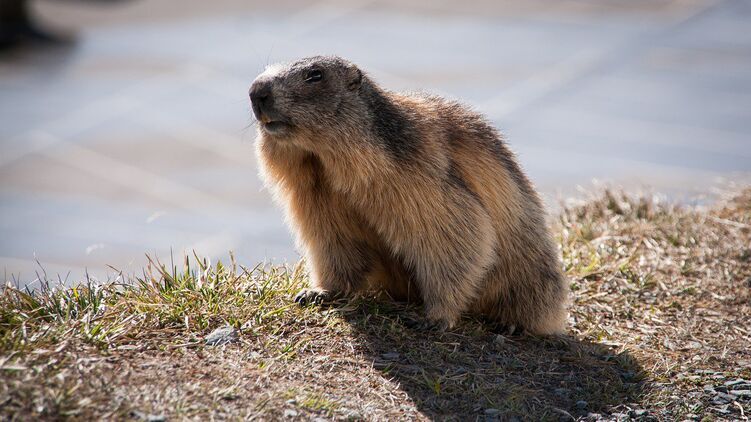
(660, 328)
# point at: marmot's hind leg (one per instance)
(450, 259)
(390, 277)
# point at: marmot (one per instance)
(409, 193)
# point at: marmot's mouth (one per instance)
(275, 126)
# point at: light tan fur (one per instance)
(452, 224)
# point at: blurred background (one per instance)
(125, 126)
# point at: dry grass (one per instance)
(660, 322)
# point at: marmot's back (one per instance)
(526, 273)
(410, 193)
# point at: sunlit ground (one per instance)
(138, 138)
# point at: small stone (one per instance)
(741, 393)
(290, 413)
(147, 417)
(562, 392)
(499, 339)
(222, 335)
(723, 410)
(292, 401)
(351, 415)
(638, 413)
(739, 384)
(390, 356)
(410, 369)
(355, 416)
(582, 404)
(722, 398)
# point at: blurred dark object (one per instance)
(17, 27)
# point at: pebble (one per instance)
(739, 384)
(582, 404)
(499, 339)
(638, 413)
(354, 415)
(147, 417)
(722, 410)
(390, 356)
(410, 369)
(222, 335)
(562, 392)
(628, 375)
(722, 398)
(290, 413)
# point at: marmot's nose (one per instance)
(260, 96)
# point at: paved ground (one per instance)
(137, 139)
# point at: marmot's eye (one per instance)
(314, 76)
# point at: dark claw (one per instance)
(308, 296)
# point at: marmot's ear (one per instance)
(356, 80)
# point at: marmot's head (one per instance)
(311, 96)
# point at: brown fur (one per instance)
(431, 208)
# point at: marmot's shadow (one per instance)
(472, 373)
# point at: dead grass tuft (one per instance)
(659, 329)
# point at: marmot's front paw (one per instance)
(437, 325)
(307, 296)
(427, 325)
